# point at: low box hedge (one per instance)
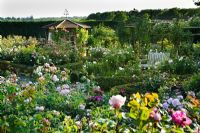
(106, 83)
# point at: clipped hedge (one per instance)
(128, 88)
(27, 29)
(17, 68)
(73, 66)
(107, 83)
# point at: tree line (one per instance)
(164, 14)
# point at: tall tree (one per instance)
(197, 2)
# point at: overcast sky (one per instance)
(55, 8)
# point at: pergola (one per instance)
(67, 26)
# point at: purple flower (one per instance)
(180, 97)
(176, 102)
(98, 98)
(170, 100)
(165, 105)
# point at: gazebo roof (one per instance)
(65, 24)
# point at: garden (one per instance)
(144, 78)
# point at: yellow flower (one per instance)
(155, 95)
(138, 96)
(133, 104)
(149, 97)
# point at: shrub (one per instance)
(193, 84)
(181, 66)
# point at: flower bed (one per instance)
(51, 103)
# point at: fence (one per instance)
(157, 57)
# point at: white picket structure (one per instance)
(157, 57)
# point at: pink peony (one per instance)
(155, 115)
(180, 118)
(117, 101)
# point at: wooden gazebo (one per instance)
(67, 26)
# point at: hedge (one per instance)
(34, 28)
(106, 83)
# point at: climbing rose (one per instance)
(117, 101)
(180, 118)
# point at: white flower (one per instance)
(82, 106)
(28, 100)
(117, 101)
(39, 73)
(65, 86)
(47, 65)
(121, 68)
(124, 115)
(157, 63)
(170, 61)
(191, 93)
(78, 124)
(64, 91)
(126, 131)
(39, 108)
(55, 78)
(56, 113)
(181, 58)
(163, 130)
(2, 79)
(180, 97)
(58, 88)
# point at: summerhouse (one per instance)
(67, 26)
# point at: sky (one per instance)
(55, 8)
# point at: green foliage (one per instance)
(113, 62)
(103, 36)
(27, 29)
(82, 36)
(143, 28)
(121, 17)
(178, 35)
(18, 49)
(165, 14)
(196, 48)
(195, 21)
(107, 83)
(180, 66)
(161, 33)
(166, 45)
(193, 84)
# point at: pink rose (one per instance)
(180, 118)
(117, 101)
